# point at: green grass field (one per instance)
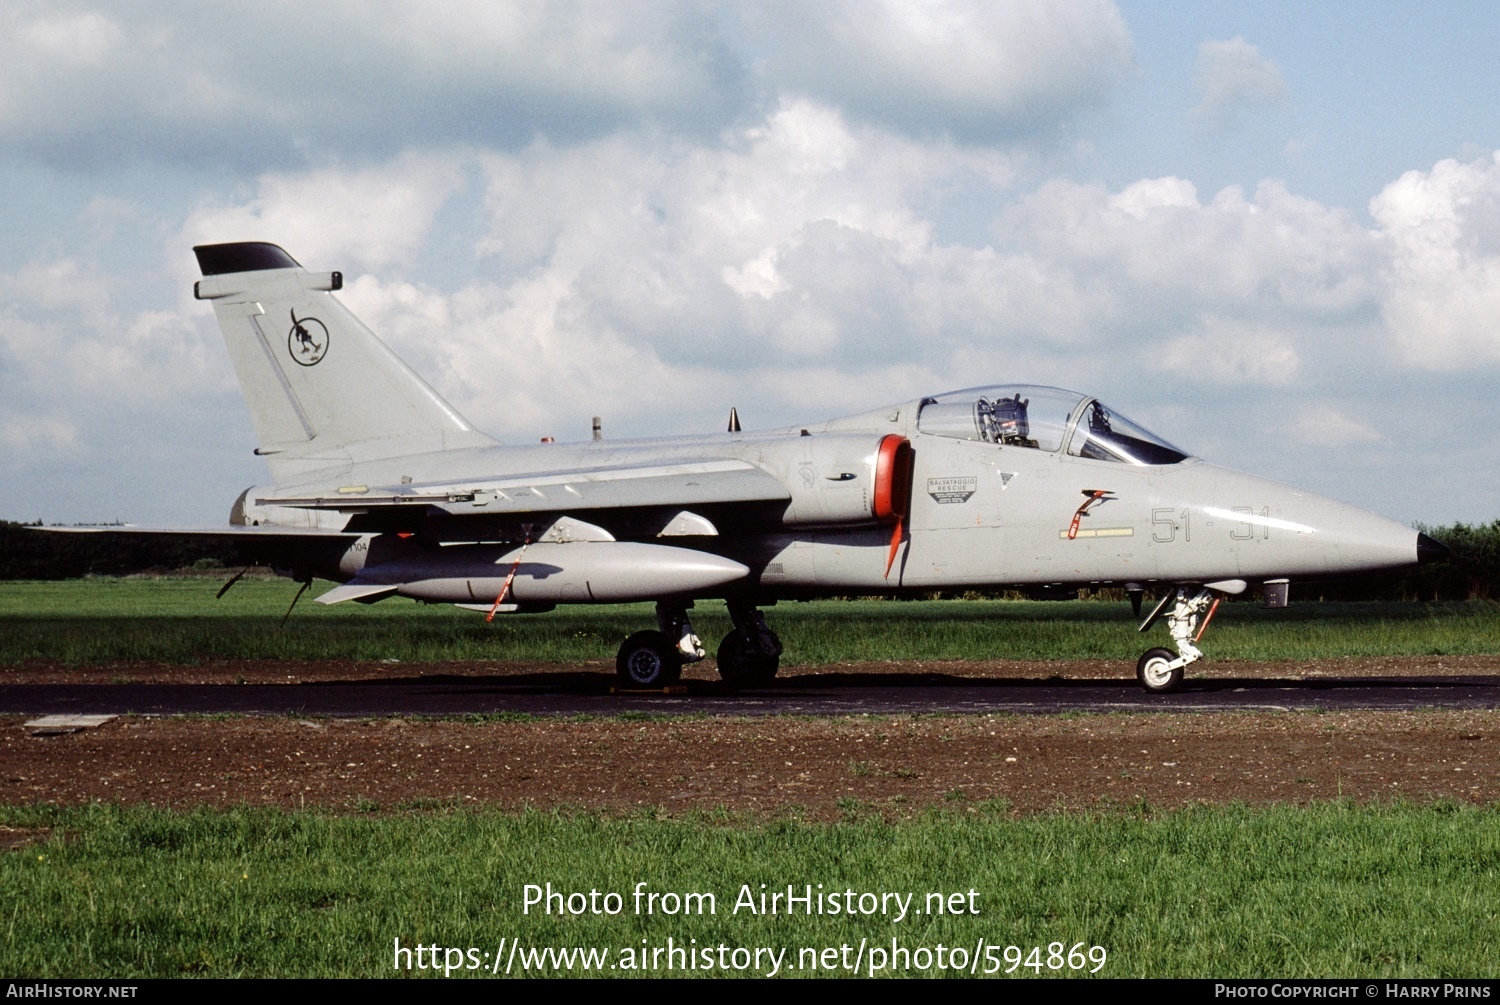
(1229, 892)
(179, 621)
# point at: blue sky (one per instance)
(1271, 233)
(1372, 91)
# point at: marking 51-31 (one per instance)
(1168, 522)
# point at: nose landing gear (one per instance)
(1160, 670)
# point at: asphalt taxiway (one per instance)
(808, 694)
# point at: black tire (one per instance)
(1151, 671)
(745, 669)
(648, 659)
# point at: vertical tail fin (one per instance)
(323, 391)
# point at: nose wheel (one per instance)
(1156, 671)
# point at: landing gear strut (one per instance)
(1160, 670)
(654, 658)
(751, 654)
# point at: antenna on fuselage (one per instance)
(734, 420)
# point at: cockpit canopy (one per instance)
(1044, 418)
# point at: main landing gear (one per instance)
(653, 659)
(1160, 670)
(749, 655)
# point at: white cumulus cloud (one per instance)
(1442, 282)
(361, 217)
(1233, 76)
(1327, 425)
(980, 70)
(86, 83)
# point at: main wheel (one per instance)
(1153, 673)
(648, 659)
(739, 667)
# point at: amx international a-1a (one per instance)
(380, 485)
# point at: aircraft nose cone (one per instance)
(1430, 549)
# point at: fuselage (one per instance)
(1073, 495)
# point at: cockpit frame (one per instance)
(1027, 416)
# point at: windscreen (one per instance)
(1103, 435)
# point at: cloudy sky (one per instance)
(1269, 231)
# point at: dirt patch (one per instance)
(20, 837)
(823, 767)
(820, 767)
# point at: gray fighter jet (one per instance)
(377, 483)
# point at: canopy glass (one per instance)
(1044, 418)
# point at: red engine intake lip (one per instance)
(893, 467)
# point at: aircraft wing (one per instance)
(685, 484)
(283, 547)
(226, 533)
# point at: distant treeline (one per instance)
(1472, 572)
(27, 553)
